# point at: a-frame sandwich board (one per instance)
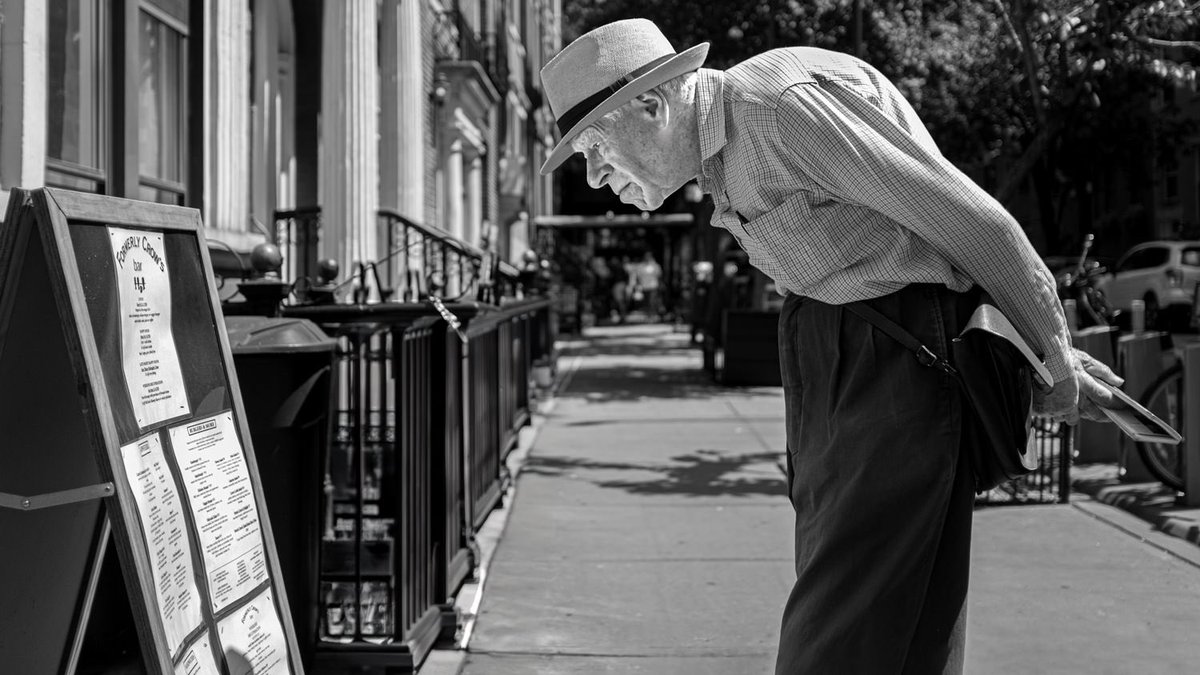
(122, 424)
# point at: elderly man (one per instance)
(830, 181)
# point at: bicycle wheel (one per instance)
(1164, 398)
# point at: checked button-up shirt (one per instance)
(831, 183)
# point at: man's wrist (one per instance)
(1061, 363)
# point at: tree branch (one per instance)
(1025, 163)
(1157, 42)
(1029, 60)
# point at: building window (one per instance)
(77, 79)
(161, 81)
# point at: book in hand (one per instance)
(1136, 421)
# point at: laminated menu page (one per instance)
(252, 639)
(198, 659)
(217, 480)
(165, 530)
(149, 358)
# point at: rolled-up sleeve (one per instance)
(865, 156)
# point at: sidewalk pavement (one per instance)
(650, 533)
(1152, 502)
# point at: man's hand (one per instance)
(1092, 394)
(1080, 396)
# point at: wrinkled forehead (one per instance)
(586, 138)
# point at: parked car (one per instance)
(1163, 274)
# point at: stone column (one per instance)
(454, 206)
(23, 88)
(402, 169)
(454, 189)
(227, 162)
(475, 214)
(349, 181)
(402, 125)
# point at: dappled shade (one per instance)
(701, 473)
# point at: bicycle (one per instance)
(1081, 284)
(1164, 398)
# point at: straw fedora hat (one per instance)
(605, 69)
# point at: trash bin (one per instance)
(284, 373)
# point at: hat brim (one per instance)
(683, 62)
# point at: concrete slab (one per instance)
(701, 458)
(632, 387)
(1138, 527)
(581, 406)
(623, 439)
(646, 533)
(706, 475)
(653, 608)
(756, 402)
(771, 433)
(522, 664)
(1057, 591)
(1155, 503)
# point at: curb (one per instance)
(1150, 502)
(451, 660)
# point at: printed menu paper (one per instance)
(218, 484)
(148, 354)
(253, 641)
(165, 531)
(198, 659)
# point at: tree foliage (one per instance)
(1047, 90)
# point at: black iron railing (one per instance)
(1051, 482)
(377, 583)
(424, 420)
(298, 236)
(419, 261)
(483, 421)
(423, 261)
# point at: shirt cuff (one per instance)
(1060, 362)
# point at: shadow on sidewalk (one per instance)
(702, 473)
(1154, 503)
(602, 384)
(623, 348)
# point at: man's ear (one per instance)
(652, 106)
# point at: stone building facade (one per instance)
(260, 112)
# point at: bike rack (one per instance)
(1096, 442)
(1140, 360)
(1191, 447)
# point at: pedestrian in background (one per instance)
(649, 278)
(601, 296)
(620, 288)
(831, 183)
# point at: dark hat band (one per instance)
(570, 118)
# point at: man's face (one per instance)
(624, 151)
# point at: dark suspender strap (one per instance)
(926, 356)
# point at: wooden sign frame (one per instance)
(66, 420)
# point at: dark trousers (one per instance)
(883, 504)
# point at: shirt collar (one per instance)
(710, 116)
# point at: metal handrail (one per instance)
(416, 256)
(461, 245)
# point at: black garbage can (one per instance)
(284, 371)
